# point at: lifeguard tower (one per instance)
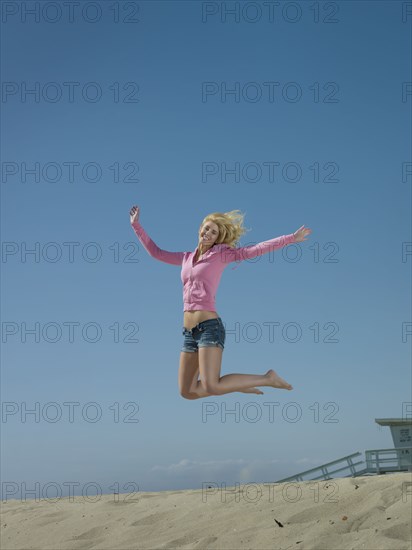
(401, 430)
(377, 461)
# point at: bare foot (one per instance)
(276, 381)
(252, 390)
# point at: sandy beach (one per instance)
(367, 512)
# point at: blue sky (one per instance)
(327, 149)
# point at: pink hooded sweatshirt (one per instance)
(201, 279)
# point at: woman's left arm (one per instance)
(249, 252)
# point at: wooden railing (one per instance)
(325, 472)
(378, 461)
(397, 459)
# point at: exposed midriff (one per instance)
(191, 318)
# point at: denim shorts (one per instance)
(209, 333)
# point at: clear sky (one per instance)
(294, 113)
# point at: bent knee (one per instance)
(187, 395)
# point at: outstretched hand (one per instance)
(301, 233)
(134, 214)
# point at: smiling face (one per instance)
(208, 234)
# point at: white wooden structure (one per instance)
(377, 461)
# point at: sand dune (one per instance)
(368, 512)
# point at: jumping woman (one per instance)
(203, 330)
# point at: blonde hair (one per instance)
(230, 226)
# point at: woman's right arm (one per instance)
(174, 258)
